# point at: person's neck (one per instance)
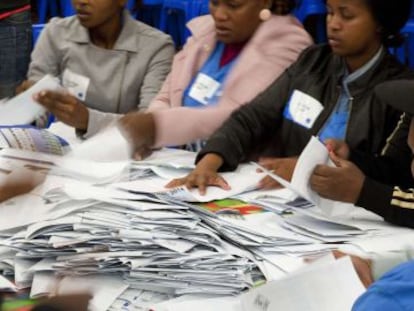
(105, 35)
(355, 62)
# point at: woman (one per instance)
(383, 184)
(108, 61)
(327, 92)
(234, 54)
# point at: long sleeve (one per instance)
(158, 69)
(250, 125)
(394, 204)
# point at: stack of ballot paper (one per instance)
(146, 245)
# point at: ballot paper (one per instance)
(314, 153)
(109, 145)
(309, 289)
(245, 178)
(23, 109)
(87, 170)
(6, 285)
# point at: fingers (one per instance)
(268, 183)
(142, 153)
(199, 181)
(56, 102)
(176, 183)
(335, 159)
(269, 163)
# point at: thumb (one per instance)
(336, 160)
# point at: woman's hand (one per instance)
(66, 108)
(139, 129)
(338, 147)
(282, 167)
(18, 182)
(205, 174)
(24, 86)
(341, 183)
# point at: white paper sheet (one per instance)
(310, 289)
(23, 109)
(107, 146)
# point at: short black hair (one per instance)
(391, 16)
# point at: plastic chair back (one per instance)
(46, 8)
(67, 8)
(312, 14)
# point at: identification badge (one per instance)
(302, 109)
(75, 83)
(203, 88)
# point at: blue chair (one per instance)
(46, 8)
(201, 7)
(406, 52)
(36, 30)
(67, 8)
(150, 12)
(174, 16)
(315, 11)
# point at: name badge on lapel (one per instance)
(302, 109)
(76, 84)
(204, 88)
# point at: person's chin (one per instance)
(225, 39)
(86, 22)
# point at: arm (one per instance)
(392, 203)
(393, 165)
(157, 71)
(250, 125)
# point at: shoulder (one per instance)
(149, 34)
(282, 27)
(201, 26)
(394, 68)
(64, 29)
(62, 24)
(319, 58)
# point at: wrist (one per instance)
(211, 161)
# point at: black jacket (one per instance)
(260, 126)
(380, 193)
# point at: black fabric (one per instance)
(259, 128)
(377, 197)
(9, 5)
(399, 94)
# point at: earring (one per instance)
(265, 15)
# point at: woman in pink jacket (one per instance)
(234, 53)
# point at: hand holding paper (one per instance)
(341, 183)
(23, 109)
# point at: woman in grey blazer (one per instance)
(108, 62)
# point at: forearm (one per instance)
(393, 204)
(210, 161)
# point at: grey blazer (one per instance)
(121, 80)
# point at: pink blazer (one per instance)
(275, 45)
